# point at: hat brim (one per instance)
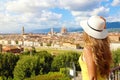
(95, 34)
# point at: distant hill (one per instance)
(45, 30)
(56, 30)
(111, 26)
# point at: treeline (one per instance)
(116, 57)
(31, 63)
(8, 62)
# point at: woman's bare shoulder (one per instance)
(87, 53)
(87, 49)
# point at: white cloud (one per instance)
(114, 18)
(79, 5)
(50, 16)
(29, 20)
(29, 9)
(82, 9)
(102, 11)
(23, 6)
(38, 14)
(8, 24)
(80, 13)
(83, 15)
(1, 6)
(116, 3)
(38, 17)
(28, 13)
(6, 18)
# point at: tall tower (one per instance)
(52, 31)
(23, 31)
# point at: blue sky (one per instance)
(39, 14)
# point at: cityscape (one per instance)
(60, 40)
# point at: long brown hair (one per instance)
(101, 53)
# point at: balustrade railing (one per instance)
(115, 73)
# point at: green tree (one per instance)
(50, 76)
(116, 57)
(25, 67)
(64, 60)
(16, 42)
(28, 66)
(45, 60)
(7, 63)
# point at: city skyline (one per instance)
(39, 14)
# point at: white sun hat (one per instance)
(95, 27)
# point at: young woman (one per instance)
(96, 58)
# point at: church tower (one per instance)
(23, 31)
(52, 31)
(22, 34)
(63, 30)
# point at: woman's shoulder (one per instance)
(87, 52)
(87, 49)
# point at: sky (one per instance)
(40, 14)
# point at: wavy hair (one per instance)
(101, 53)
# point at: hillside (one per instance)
(111, 26)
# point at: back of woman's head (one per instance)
(101, 53)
